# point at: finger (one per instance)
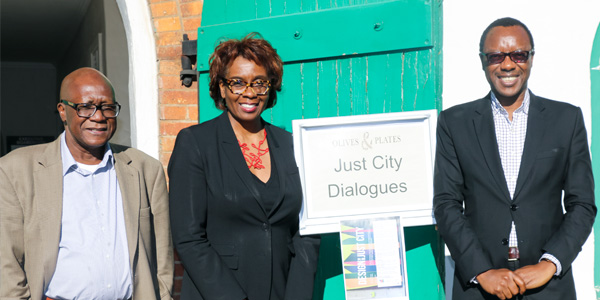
(500, 295)
(506, 294)
(513, 289)
(518, 280)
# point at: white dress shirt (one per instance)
(93, 258)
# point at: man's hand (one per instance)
(503, 283)
(538, 274)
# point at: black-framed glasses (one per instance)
(237, 86)
(86, 110)
(519, 56)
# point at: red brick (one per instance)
(177, 286)
(188, 96)
(169, 52)
(163, 9)
(172, 128)
(193, 112)
(191, 9)
(169, 82)
(173, 112)
(164, 159)
(167, 24)
(167, 143)
(169, 67)
(192, 34)
(178, 269)
(191, 23)
(170, 38)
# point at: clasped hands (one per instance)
(506, 284)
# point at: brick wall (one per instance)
(178, 104)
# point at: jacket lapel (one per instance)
(278, 156)
(483, 123)
(231, 148)
(535, 132)
(129, 184)
(48, 194)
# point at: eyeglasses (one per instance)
(87, 110)
(237, 86)
(518, 56)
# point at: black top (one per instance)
(268, 191)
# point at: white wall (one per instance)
(117, 68)
(563, 32)
(143, 83)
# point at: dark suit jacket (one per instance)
(468, 171)
(230, 246)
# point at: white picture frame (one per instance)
(366, 166)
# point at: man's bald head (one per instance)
(87, 135)
(82, 77)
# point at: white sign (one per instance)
(366, 166)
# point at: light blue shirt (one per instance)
(93, 259)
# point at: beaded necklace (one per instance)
(253, 160)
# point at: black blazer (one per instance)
(468, 171)
(230, 246)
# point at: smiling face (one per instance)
(246, 108)
(508, 80)
(86, 135)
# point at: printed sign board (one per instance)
(365, 166)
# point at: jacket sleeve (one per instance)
(189, 202)
(303, 267)
(448, 181)
(159, 201)
(578, 199)
(13, 281)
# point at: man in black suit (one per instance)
(503, 163)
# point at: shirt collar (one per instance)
(497, 107)
(70, 164)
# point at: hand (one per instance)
(538, 274)
(503, 283)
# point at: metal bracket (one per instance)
(189, 52)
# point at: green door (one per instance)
(595, 93)
(343, 57)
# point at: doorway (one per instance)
(43, 41)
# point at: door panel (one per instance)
(339, 62)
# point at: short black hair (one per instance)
(504, 22)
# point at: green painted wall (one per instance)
(595, 105)
(372, 77)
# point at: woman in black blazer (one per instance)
(235, 190)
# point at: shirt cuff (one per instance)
(554, 260)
